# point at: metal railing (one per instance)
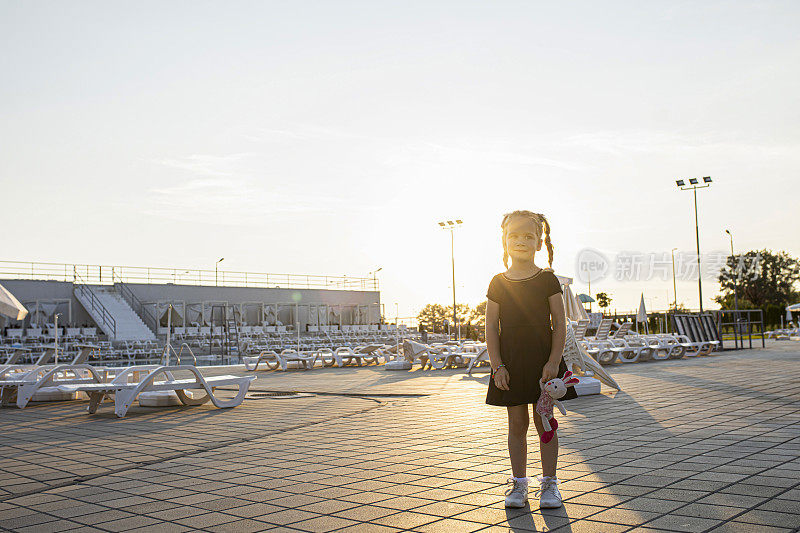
(105, 274)
(83, 290)
(744, 324)
(136, 304)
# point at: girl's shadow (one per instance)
(526, 520)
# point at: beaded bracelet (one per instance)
(494, 371)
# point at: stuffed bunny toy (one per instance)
(551, 391)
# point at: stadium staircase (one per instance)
(112, 313)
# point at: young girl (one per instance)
(524, 349)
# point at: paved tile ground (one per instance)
(707, 444)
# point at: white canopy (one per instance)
(572, 306)
(641, 316)
(10, 306)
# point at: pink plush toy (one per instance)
(551, 391)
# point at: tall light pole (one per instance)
(735, 279)
(451, 225)
(55, 335)
(216, 271)
(589, 273)
(682, 185)
(674, 285)
(397, 326)
(375, 277)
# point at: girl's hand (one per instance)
(501, 378)
(549, 371)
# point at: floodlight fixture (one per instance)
(452, 225)
(694, 182)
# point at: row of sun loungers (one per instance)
(326, 356)
(45, 381)
(784, 333)
(437, 356)
(37, 334)
(624, 346)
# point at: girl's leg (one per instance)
(518, 423)
(549, 451)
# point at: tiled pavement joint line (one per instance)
(749, 508)
(213, 447)
(679, 480)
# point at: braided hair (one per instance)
(542, 226)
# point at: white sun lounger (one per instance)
(580, 362)
(45, 358)
(272, 359)
(665, 347)
(692, 348)
(368, 354)
(39, 383)
(125, 393)
(447, 356)
(43, 383)
(630, 349)
(416, 352)
(475, 357)
(12, 364)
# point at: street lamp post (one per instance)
(735, 288)
(674, 285)
(375, 277)
(399, 362)
(736, 277)
(451, 225)
(682, 185)
(55, 335)
(589, 273)
(216, 271)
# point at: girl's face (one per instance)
(522, 239)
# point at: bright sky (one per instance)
(330, 137)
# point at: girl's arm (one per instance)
(493, 344)
(559, 319)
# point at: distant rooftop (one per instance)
(109, 274)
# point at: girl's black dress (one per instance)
(526, 335)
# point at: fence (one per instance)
(743, 324)
(107, 274)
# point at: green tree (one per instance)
(764, 278)
(433, 316)
(463, 312)
(478, 315)
(679, 309)
(603, 300)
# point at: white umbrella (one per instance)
(573, 308)
(789, 309)
(641, 316)
(10, 306)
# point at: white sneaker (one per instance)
(517, 496)
(549, 497)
